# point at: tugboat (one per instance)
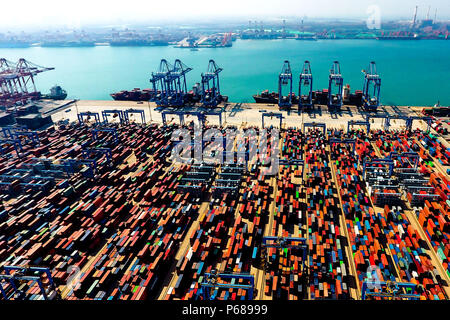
(56, 93)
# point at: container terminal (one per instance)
(94, 208)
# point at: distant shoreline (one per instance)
(107, 44)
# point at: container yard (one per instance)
(94, 206)
(98, 211)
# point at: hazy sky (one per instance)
(28, 13)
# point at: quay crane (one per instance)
(285, 79)
(176, 84)
(371, 89)
(17, 81)
(210, 85)
(306, 81)
(159, 83)
(336, 81)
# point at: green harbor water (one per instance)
(413, 72)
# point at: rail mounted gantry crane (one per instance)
(335, 81)
(292, 162)
(358, 123)
(351, 142)
(113, 131)
(16, 143)
(411, 156)
(285, 80)
(389, 289)
(386, 122)
(114, 113)
(211, 96)
(305, 101)
(271, 115)
(375, 163)
(128, 112)
(285, 243)
(211, 281)
(8, 130)
(88, 116)
(371, 88)
(314, 125)
(14, 274)
(98, 152)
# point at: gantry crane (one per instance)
(15, 274)
(285, 79)
(211, 281)
(17, 81)
(306, 81)
(336, 82)
(176, 84)
(284, 243)
(210, 85)
(371, 89)
(389, 289)
(159, 83)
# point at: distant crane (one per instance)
(306, 80)
(414, 18)
(335, 81)
(285, 79)
(210, 85)
(371, 89)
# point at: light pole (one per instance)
(150, 110)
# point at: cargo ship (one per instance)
(56, 93)
(137, 42)
(437, 110)
(193, 96)
(62, 43)
(319, 97)
(133, 95)
(398, 36)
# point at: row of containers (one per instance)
(427, 187)
(113, 235)
(225, 243)
(306, 206)
(129, 224)
(381, 229)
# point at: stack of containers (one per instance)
(436, 149)
(226, 240)
(410, 253)
(285, 276)
(329, 269)
(368, 242)
(121, 229)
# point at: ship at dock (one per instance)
(56, 93)
(398, 36)
(133, 95)
(319, 97)
(136, 94)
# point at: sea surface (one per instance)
(413, 72)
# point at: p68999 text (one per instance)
(250, 309)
